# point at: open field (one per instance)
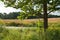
(31, 20)
(53, 22)
(31, 33)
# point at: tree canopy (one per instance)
(32, 7)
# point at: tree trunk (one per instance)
(45, 14)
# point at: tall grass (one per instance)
(29, 34)
(19, 34)
(38, 23)
(52, 33)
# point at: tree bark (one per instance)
(45, 14)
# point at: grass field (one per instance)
(31, 20)
(31, 33)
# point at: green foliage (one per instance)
(53, 34)
(21, 34)
(54, 24)
(39, 23)
(3, 32)
(27, 7)
(32, 7)
(12, 15)
(33, 33)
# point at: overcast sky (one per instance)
(10, 9)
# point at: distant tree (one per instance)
(1, 15)
(5, 16)
(13, 15)
(53, 16)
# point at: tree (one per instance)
(49, 5)
(45, 15)
(13, 15)
(28, 7)
(32, 7)
(1, 15)
(5, 16)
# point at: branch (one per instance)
(50, 11)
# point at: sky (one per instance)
(10, 9)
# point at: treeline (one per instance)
(41, 16)
(14, 15)
(53, 16)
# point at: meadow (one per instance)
(33, 30)
(29, 33)
(54, 22)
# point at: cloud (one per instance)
(7, 9)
